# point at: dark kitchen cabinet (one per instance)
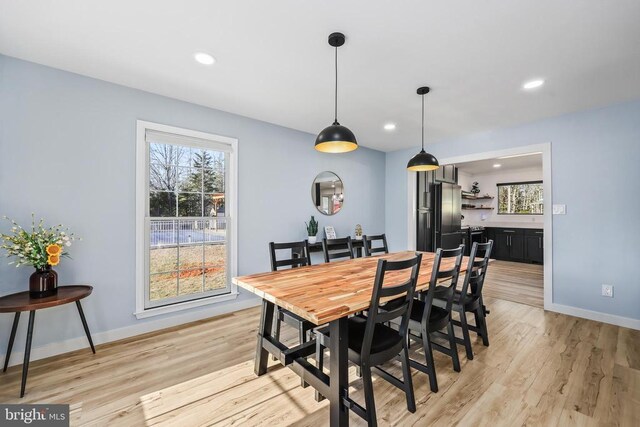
(534, 246)
(425, 181)
(517, 244)
(501, 246)
(446, 173)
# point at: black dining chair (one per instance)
(427, 319)
(337, 248)
(299, 257)
(469, 298)
(372, 342)
(371, 249)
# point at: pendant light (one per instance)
(336, 138)
(423, 161)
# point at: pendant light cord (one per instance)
(335, 106)
(422, 122)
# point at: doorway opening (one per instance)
(504, 196)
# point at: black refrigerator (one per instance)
(439, 217)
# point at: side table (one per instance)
(17, 303)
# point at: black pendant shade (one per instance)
(423, 161)
(336, 138)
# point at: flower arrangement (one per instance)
(40, 247)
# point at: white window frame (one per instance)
(142, 211)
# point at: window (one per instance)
(186, 205)
(520, 198)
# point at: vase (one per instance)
(312, 239)
(43, 283)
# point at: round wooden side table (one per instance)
(17, 303)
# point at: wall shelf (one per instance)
(477, 209)
(477, 198)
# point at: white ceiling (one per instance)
(486, 166)
(274, 63)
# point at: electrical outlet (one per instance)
(607, 291)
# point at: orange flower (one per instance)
(54, 250)
(53, 260)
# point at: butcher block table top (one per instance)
(325, 292)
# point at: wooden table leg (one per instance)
(27, 352)
(339, 374)
(86, 327)
(264, 330)
(12, 338)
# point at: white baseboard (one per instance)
(612, 319)
(54, 349)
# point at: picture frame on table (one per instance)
(329, 232)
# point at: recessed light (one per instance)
(533, 84)
(497, 165)
(390, 126)
(204, 58)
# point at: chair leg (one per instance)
(465, 334)
(481, 324)
(368, 396)
(454, 347)
(319, 365)
(428, 354)
(407, 380)
(302, 337)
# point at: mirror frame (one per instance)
(313, 191)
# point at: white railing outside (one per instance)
(186, 231)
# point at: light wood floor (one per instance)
(515, 281)
(541, 369)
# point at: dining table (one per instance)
(323, 294)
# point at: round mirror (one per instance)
(327, 193)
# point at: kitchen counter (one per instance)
(505, 224)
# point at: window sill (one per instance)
(143, 314)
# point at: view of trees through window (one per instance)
(520, 198)
(187, 236)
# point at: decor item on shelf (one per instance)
(474, 188)
(358, 233)
(40, 247)
(329, 232)
(312, 229)
(336, 138)
(423, 161)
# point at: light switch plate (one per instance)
(559, 209)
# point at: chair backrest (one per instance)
(368, 244)
(301, 249)
(439, 287)
(337, 248)
(476, 270)
(400, 295)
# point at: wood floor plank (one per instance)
(541, 368)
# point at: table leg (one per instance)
(339, 374)
(27, 352)
(11, 339)
(86, 327)
(264, 330)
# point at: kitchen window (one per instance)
(520, 198)
(186, 198)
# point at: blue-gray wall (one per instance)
(595, 160)
(67, 152)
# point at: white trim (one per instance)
(78, 343)
(412, 215)
(141, 213)
(545, 149)
(172, 308)
(626, 322)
